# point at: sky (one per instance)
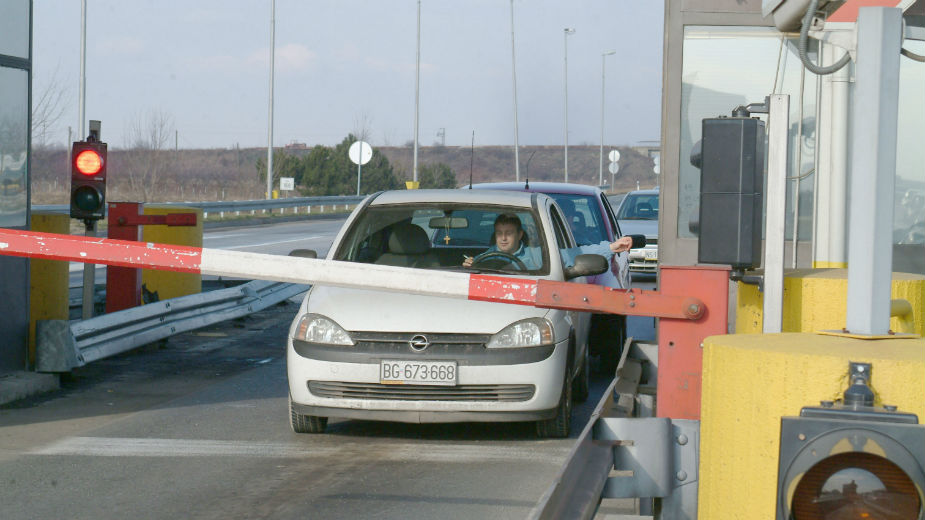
(342, 66)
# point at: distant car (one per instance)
(369, 354)
(593, 221)
(638, 215)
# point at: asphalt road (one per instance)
(198, 427)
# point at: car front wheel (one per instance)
(306, 423)
(558, 426)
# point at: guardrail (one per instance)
(62, 345)
(652, 457)
(237, 206)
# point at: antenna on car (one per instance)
(471, 155)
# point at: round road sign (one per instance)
(614, 168)
(614, 156)
(360, 152)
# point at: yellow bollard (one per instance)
(48, 279)
(750, 381)
(169, 284)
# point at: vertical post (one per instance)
(514, 77)
(82, 130)
(123, 284)
(359, 167)
(600, 181)
(270, 125)
(567, 32)
(775, 218)
(89, 279)
(417, 86)
(873, 170)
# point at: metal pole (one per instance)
(604, 55)
(873, 170)
(417, 86)
(775, 222)
(81, 130)
(359, 167)
(514, 77)
(270, 126)
(89, 278)
(567, 31)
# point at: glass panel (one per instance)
(909, 216)
(14, 28)
(725, 67)
(14, 164)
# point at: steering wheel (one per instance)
(499, 254)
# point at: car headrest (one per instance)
(408, 239)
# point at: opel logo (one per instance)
(419, 343)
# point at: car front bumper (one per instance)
(329, 385)
(644, 259)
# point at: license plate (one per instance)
(651, 254)
(418, 372)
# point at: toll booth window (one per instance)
(14, 164)
(725, 67)
(909, 212)
(14, 28)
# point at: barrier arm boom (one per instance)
(257, 266)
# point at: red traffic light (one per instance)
(89, 162)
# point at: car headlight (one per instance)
(527, 333)
(315, 328)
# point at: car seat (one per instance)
(409, 246)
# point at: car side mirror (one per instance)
(586, 265)
(638, 241)
(304, 253)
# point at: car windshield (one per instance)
(441, 236)
(639, 206)
(584, 216)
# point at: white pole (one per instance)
(514, 76)
(775, 221)
(567, 31)
(81, 127)
(417, 87)
(270, 125)
(604, 55)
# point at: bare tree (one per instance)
(148, 156)
(363, 126)
(48, 107)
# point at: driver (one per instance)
(509, 238)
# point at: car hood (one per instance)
(649, 228)
(367, 310)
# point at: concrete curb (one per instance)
(19, 385)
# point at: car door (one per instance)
(581, 321)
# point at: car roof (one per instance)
(506, 198)
(644, 192)
(541, 187)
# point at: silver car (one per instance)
(638, 215)
(370, 354)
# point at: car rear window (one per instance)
(639, 206)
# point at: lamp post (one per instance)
(604, 55)
(514, 77)
(568, 31)
(417, 86)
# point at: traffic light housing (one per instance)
(851, 458)
(88, 180)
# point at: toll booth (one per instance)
(775, 391)
(15, 86)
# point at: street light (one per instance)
(568, 31)
(604, 55)
(514, 77)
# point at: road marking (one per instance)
(277, 242)
(132, 447)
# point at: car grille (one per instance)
(376, 391)
(449, 341)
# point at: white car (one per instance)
(368, 354)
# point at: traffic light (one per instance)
(88, 180)
(851, 459)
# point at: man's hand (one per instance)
(467, 261)
(622, 244)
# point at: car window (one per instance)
(435, 236)
(639, 206)
(583, 216)
(613, 219)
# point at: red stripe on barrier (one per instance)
(500, 289)
(106, 251)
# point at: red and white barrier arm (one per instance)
(256, 266)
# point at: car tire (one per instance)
(582, 383)
(306, 423)
(609, 333)
(558, 427)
